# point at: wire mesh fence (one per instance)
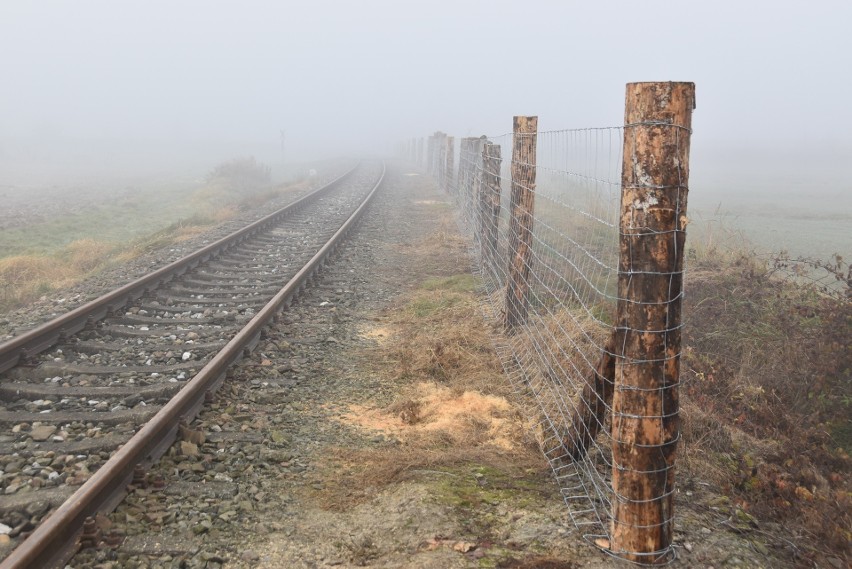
(572, 282)
(580, 252)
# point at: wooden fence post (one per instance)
(448, 172)
(525, 131)
(435, 155)
(461, 180)
(645, 426)
(439, 158)
(489, 200)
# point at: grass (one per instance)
(450, 415)
(57, 253)
(767, 371)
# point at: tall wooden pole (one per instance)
(525, 131)
(490, 201)
(440, 157)
(448, 172)
(461, 180)
(645, 426)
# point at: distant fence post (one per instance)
(442, 160)
(525, 131)
(461, 179)
(435, 155)
(645, 425)
(430, 154)
(489, 200)
(448, 172)
(440, 157)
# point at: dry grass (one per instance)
(767, 373)
(451, 409)
(26, 278)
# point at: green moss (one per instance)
(473, 491)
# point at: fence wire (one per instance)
(554, 359)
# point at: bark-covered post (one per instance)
(645, 426)
(442, 160)
(525, 131)
(438, 157)
(448, 172)
(474, 185)
(490, 200)
(461, 179)
(435, 154)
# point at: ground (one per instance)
(373, 427)
(405, 446)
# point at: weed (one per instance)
(362, 550)
(450, 417)
(767, 375)
(57, 253)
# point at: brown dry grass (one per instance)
(451, 409)
(767, 372)
(25, 278)
(554, 351)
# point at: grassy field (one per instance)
(111, 219)
(78, 236)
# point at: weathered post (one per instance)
(645, 426)
(473, 189)
(525, 131)
(442, 159)
(437, 155)
(489, 218)
(448, 172)
(461, 179)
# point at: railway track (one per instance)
(91, 399)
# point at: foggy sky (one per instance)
(108, 85)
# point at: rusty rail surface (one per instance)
(42, 337)
(55, 540)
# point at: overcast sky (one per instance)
(151, 83)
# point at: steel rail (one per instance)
(49, 333)
(55, 540)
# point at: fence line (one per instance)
(578, 237)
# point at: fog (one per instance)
(100, 89)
